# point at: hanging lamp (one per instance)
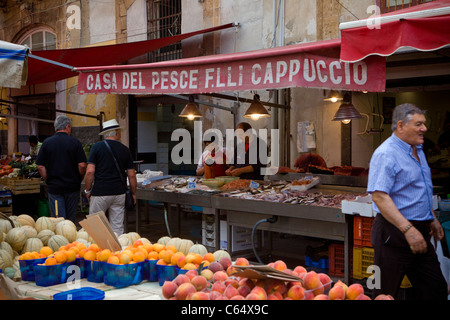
(347, 111)
(256, 110)
(191, 110)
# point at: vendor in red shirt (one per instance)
(213, 162)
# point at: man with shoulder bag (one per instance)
(109, 165)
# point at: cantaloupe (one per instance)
(26, 220)
(185, 245)
(163, 240)
(133, 236)
(6, 246)
(44, 223)
(15, 221)
(56, 242)
(29, 231)
(33, 245)
(45, 235)
(83, 235)
(1, 236)
(221, 253)
(175, 241)
(5, 225)
(198, 248)
(145, 240)
(124, 241)
(6, 259)
(67, 229)
(16, 237)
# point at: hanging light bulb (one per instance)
(347, 111)
(256, 110)
(333, 97)
(191, 111)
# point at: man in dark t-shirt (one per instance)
(62, 164)
(105, 188)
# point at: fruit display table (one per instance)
(143, 291)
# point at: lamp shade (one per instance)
(347, 111)
(256, 110)
(191, 111)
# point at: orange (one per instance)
(46, 251)
(75, 249)
(167, 255)
(189, 266)
(90, 255)
(138, 243)
(129, 253)
(124, 258)
(158, 247)
(50, 261)
(26, 256)
(82, 252)
(113, 260)
(194, 258)
(181, 262)
(209, 257)
(138, 256)
(172, 248)
(71, 255)
(153, 255)
(143, 250)
(104, 255)
(94, 247)
(35, 255)
(175, 256)
(161, 262)
(61, 256)
(148, 247)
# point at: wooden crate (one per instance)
(6, 210)
(24, 186)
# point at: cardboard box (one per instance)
(361, 206)
(99, 228)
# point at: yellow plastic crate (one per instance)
(363, 258)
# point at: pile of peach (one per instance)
(217, 282)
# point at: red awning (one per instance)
(424, 27)
(310, 65)
(43, 72)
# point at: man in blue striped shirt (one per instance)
(401, 188)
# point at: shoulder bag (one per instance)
(129, 202)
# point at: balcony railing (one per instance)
(393, 5)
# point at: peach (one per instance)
(222, 297)
(354, 290)
(363, 297)
(247, 282)
(337, 293)
(299, 270)
(218, 286)
(168, 289)
(230, 292)
(199, 282)
(280, 265)
(214, 294)
(252, 296)
(343, 285)
(215, 267)
(311, 281)
(244, 290)
(296, 293)
(225, 262)
(184, 290)
(325, 280)
(309, 295)
(209, 256)
(275, 296)
(384, 297)
(232, 281)
(321, 297)
(274, 285)
(231, 270)
(238, 297)
(191, 274)
(180, 279)
(241, 262)
(260, 292)
(181, 261)
(208, 274)
(198, 296)
(220, 276)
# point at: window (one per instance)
(39, 40)
(393, 5)
(164, 20)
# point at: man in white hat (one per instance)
(106, 176)
(62, 164)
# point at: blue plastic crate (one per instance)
(166, 273)
(27, 268)
(93, 271)
(320, 264)
(80, 294)
(124, 275)
(150, 272)
(51, 275)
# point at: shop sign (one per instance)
(295, 70)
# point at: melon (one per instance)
(163, 240)
(26, 220)
(9, 272)
(198, 248)
(45, 235)
(221, 253)
(16, 237)
(33, 245)
(5, 226)
(85, 242)
(185, 245)
(29, 231)
(133, 236)
(67, 229)
(124, 241)
(6, 260)
(57, 220)
(1, 236)
(145, 240)
(44, 223)
(6, 246)
(56, 242)
(83, 235)
(15, 221)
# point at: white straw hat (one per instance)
(110, 126)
